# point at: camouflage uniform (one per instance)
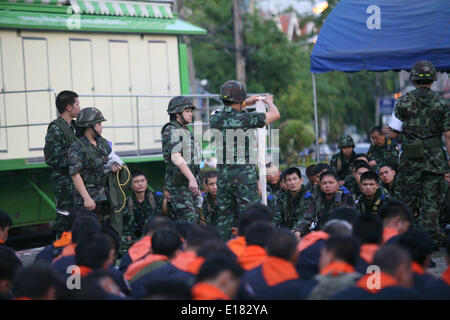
(318, 209)
(273, 190)
(290, 209)
(237, 182)
(425, 116)
(339, 163)
(90, 162)
(176, 138)
(210, 210)
(58, 139)
(366, 206)
(384, 154)
(391, 190)
(136, 214)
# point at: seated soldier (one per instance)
(318, 209)
(210, 210)
(276, 278)
(373, 196)
(340, 162)
(359, 171)
(388, 177)
(312, 181)
(337, 268)
(350, 180)
(291, 207)
(140, 207)
(392, 281)
(397, 218)
(320, 168)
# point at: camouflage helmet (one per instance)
(346, 141)
(233, 91)
(423, 70)
(178, 104)
(89, 116)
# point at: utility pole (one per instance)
(239, 42)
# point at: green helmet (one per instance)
(178, 104)
(233, 91)
(346, 141)
(423, 70)
(89, 116)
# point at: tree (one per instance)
(295, 135)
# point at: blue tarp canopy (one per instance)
(380, 35)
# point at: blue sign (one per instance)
(386, 105)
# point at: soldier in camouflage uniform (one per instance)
(290, 208)
(373, 196)
(340, 162)
(210, 210)
(238, 178)
(445, 210)
(382, 149)
(318, 209)
(388, 178)
(425, 115)
(59, 137)
(182, 158)
(141, 206)
(88, 156)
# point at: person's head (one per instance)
(259, 233)
(167, 289)
(9, 264)
(183, 227)
(113, 238)
(283, 181)
(419, 244)
(273, 173)
(283, 245)
(254, 212)
(166, 242)
(344, 213)
(329, 182)
(320, 168)
(37, 281)
(222, 272)
(362, 157)
(346, 144)
(180, 109)
(338, 227)
(377, 136)
(215, 246)
(211, 182)
(355, 164)
(395, 261)
(233, 93)
(368, 229)
(341, 248)
(359, 170)
(310, 174)
(369, 183)
(76, 214)
(67, 101)
(447, 177)
(157, 223)
(294, 179)
(198, 235)
(139, 183)
(85, 227)
(5, 225)
(387, 173)
(89, 122)
(95, 252)
(423, 73)
(396, 215)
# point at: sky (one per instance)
(302, 6)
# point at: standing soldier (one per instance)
(238, 179)
(88, 156)
(59, 137)
(340, 162)
(382, 150)
(426, 116)
(181, 156)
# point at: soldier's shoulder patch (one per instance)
(308, 194)
(158, 193)
(344, 190)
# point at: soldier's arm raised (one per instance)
(273, 114)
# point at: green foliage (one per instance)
(295, 135)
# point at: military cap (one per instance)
(89, 116)
(178, 104)
(423, 70)
(346, 141)
(234, 91)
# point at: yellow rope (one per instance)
(121, 189)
